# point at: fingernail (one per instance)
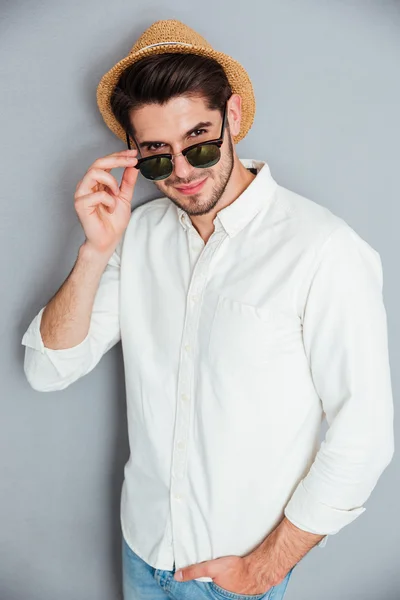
(178, 575)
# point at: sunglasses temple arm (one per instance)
(223, 122)
(129, 144)
(137, 166)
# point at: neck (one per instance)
(239, 180)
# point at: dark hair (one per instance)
(158, 78)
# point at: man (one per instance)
(246, 313)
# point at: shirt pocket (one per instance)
(245, 335)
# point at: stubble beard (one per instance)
(192, 207)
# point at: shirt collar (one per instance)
(239, 213)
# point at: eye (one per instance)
(153, 147)
(199, 131)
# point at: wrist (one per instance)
(262, 567)
(89, 253)
(281, 550)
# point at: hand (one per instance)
(233, 573)
(103, 208)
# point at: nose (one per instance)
(181, 166)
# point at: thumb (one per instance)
(206, 568)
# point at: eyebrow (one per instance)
(200, 125)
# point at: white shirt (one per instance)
(233, 351)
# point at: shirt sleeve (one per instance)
(47, 369)
(346, 343)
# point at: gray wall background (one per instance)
(326, 77)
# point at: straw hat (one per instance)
(173, 36)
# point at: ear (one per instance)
(234, 113)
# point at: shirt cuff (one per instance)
(322, 543)
(60, 358)
(307, 513)
(32, 337)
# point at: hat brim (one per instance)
(235, 72)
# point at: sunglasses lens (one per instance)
(203, 156)
(159, 167)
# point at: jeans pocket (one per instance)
(220, 593)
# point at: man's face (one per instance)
(170, 128)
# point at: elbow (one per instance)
(50, 374)
(41, 374)
(34, 383)
(42, 385)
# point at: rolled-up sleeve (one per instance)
(47, 369)
(346, 342)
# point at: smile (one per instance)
(192, 189)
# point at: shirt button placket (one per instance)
(183, 409)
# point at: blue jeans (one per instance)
(143, 582)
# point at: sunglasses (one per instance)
(201, 156)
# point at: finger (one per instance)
(95, 176)
(128, 182)
(113, 161)
(208, 568)
(197, 570)
(85, 203)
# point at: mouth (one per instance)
(192, 189)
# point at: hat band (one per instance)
(164, 44)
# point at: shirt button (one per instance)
(178, 497)
(181, 444)
(185, 397)
(187, 347)
(195, 298)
